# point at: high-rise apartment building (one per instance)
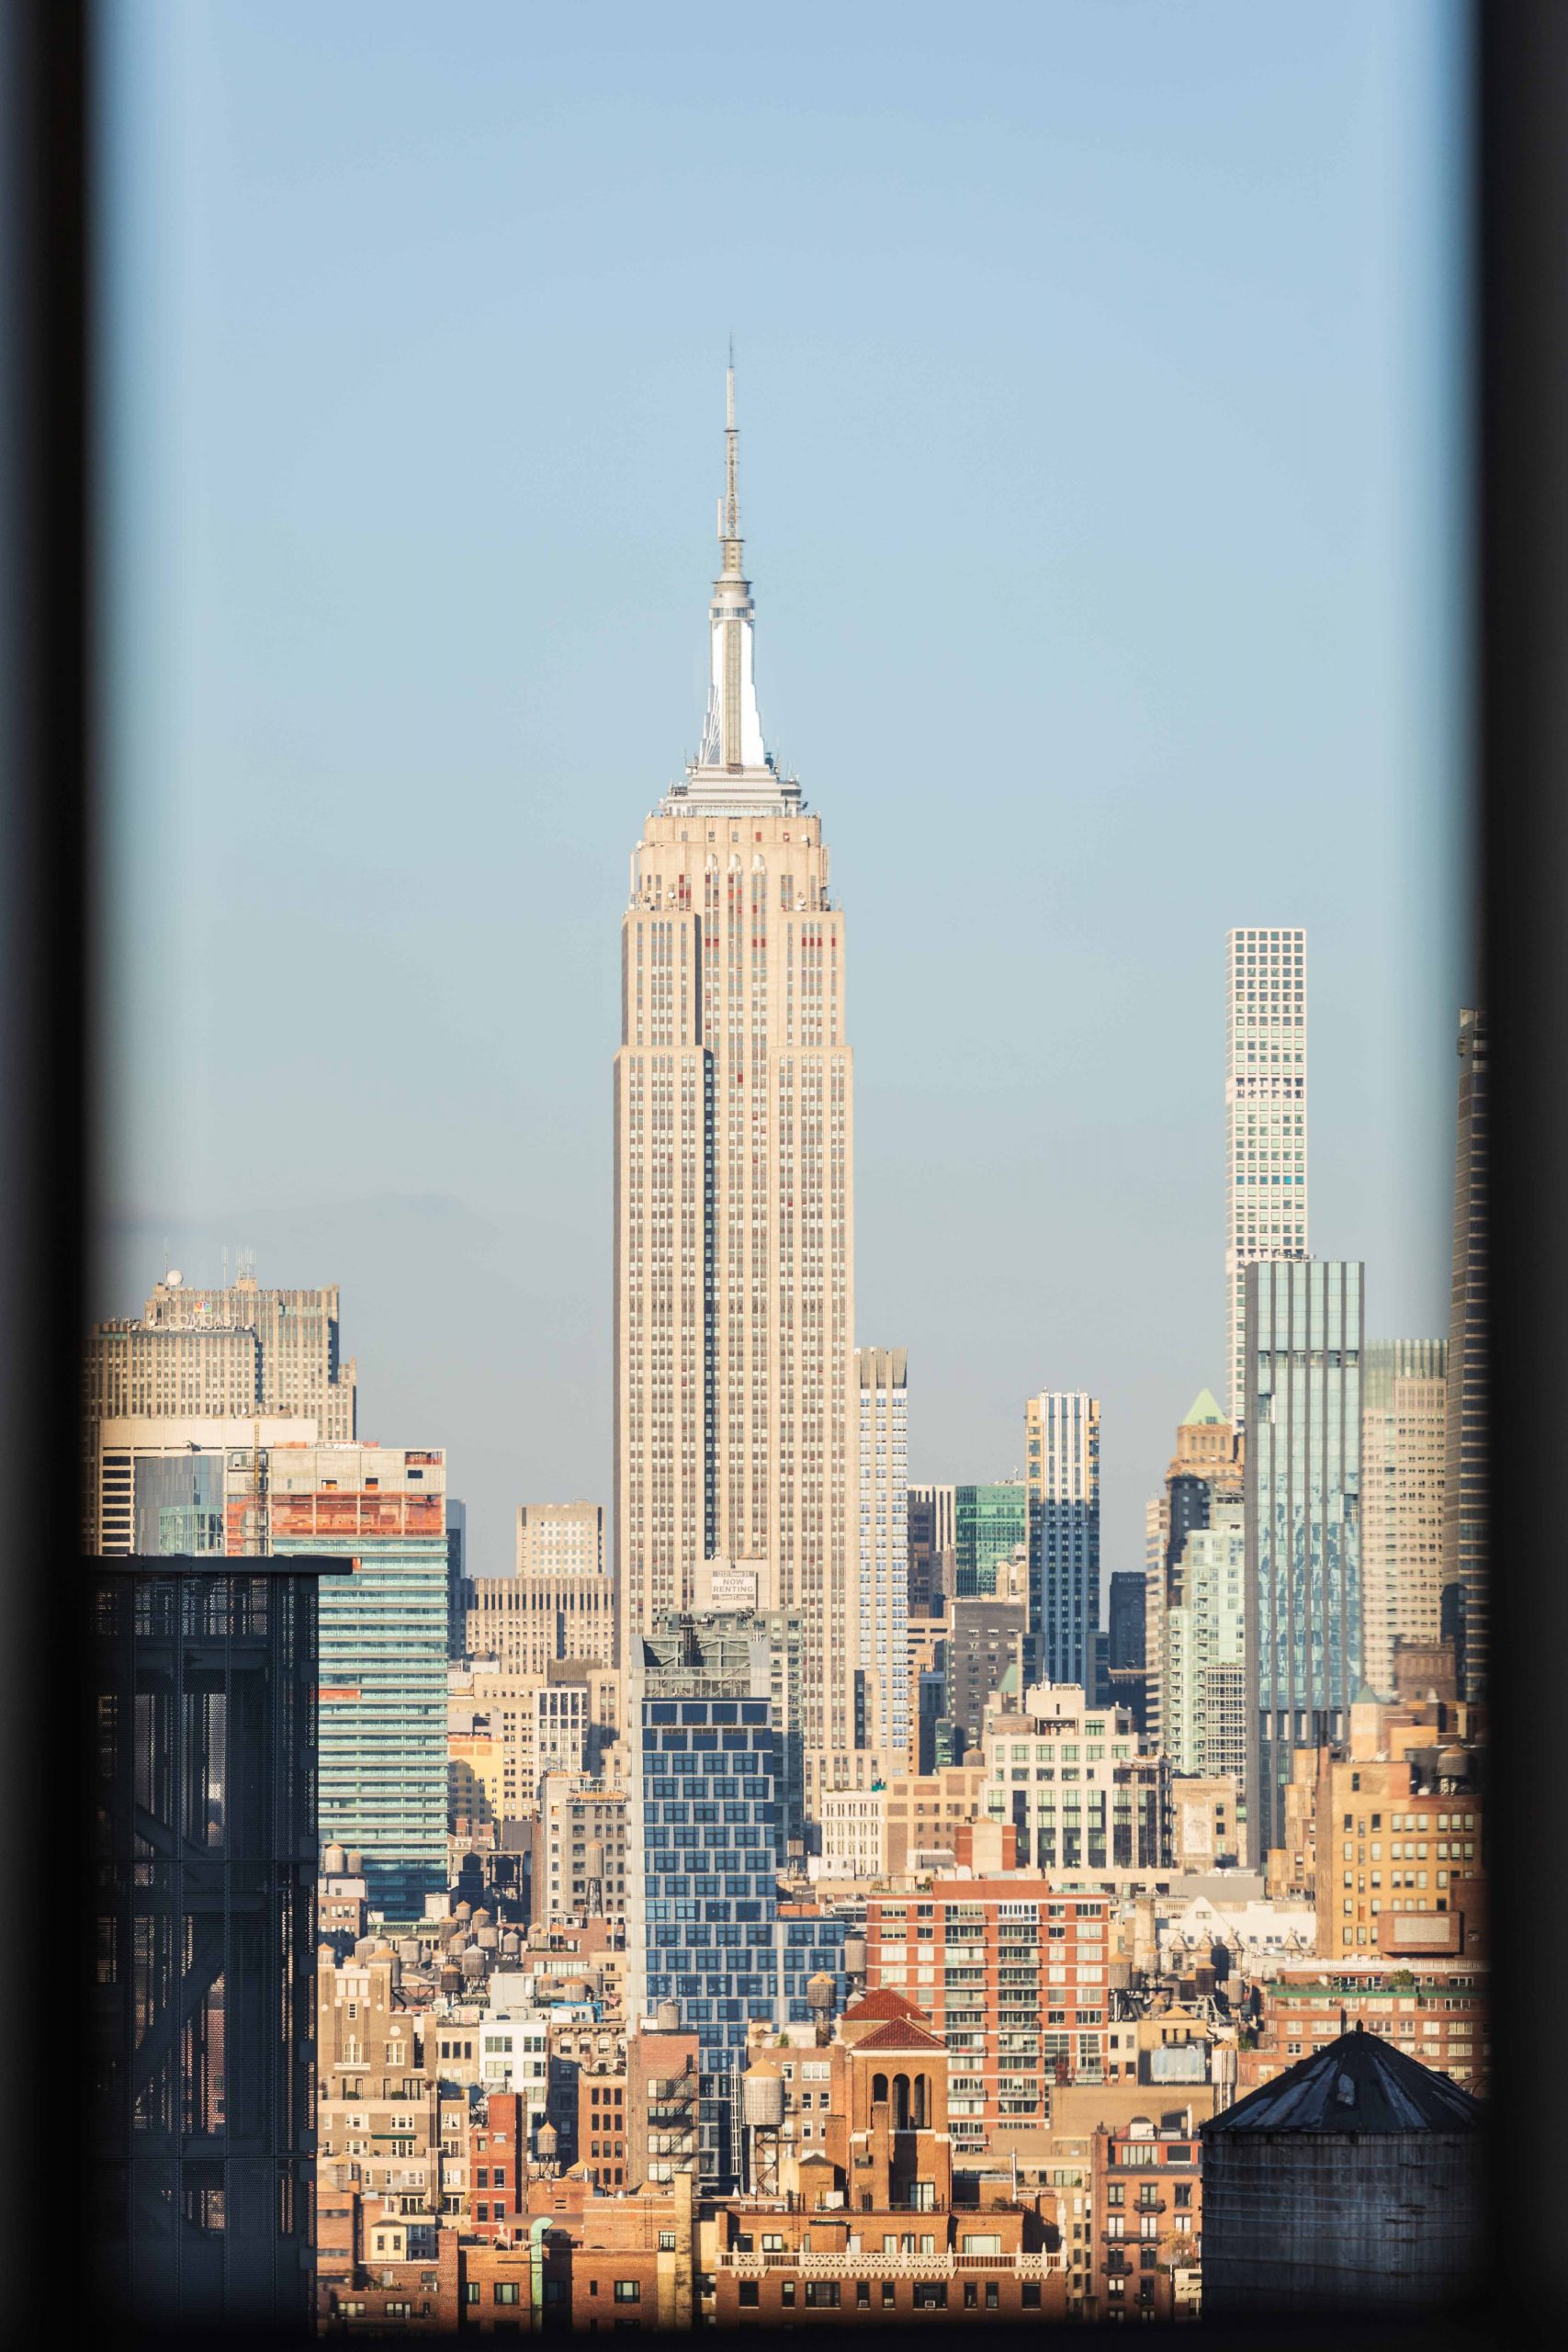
(1204, 1470)
(1465, 1559)
(932, 1549)
(201, 2122)
(734, 1263)
(1012, 1977)
(1062, 1442)
(1303, 1502)
(703, 1925)
(883, 1695)
(988, 1524)
(1204, 1708)
(1403, 1441)
(1265, 1120)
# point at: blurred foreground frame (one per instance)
(47, 784)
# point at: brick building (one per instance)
(602, 2125)
(1146, 2222)
(1013, 1978)
(864, 2221)
(1432, 2010)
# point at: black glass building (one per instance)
(203, 1851)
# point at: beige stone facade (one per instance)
(1403, 1443)
(735, 1468)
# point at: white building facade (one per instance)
(1266, 1119)
(881, 1380)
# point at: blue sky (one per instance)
(1102, 483)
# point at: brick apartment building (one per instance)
(1147, 2212)
(1433, 2009)
(1013, 1978)
(602, 2125)
(861, 2223)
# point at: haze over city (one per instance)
(1100, 500)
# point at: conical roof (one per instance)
(1359, 2083)
(1203, 1409)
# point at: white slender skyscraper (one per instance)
(1266, 1130)
(736, 1476)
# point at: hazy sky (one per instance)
(1101, 476)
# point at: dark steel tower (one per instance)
(201, 1689)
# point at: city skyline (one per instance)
(1043, 941)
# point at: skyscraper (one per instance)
(1266, 1136)
(1206, 1468)
(381, 1711)
(1061, 1440)
(734, 1255)
(1303, 1503)
(884, 1437)
(1403, 1425)
(703, 1926)
(1203, 1713)
(227, 1352)
(1465, 1562)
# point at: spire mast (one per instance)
(731, 531)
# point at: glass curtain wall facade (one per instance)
(988, 1523)
(382, 1711)
(1304, 1333)
(203, 1844)
(1062, 1434)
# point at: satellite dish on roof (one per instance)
(173, 1278)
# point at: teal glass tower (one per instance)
(1304, 1340)
(988, 1523)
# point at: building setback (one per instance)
(735, 1439)
(234, 1351)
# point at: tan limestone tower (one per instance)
(735, 1481)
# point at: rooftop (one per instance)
(1359, 2083)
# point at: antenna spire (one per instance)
(730, 534)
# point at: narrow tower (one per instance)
(1266, 1134)
(734, 1280)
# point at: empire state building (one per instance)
(734, 1292)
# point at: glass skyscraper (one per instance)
(988, 1523)
(1062, 1434)
(381, 1711)
(1305, 1325)
(703, 1925)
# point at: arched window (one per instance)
(879, 2090)
(921, 2117)
(900, 2102)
